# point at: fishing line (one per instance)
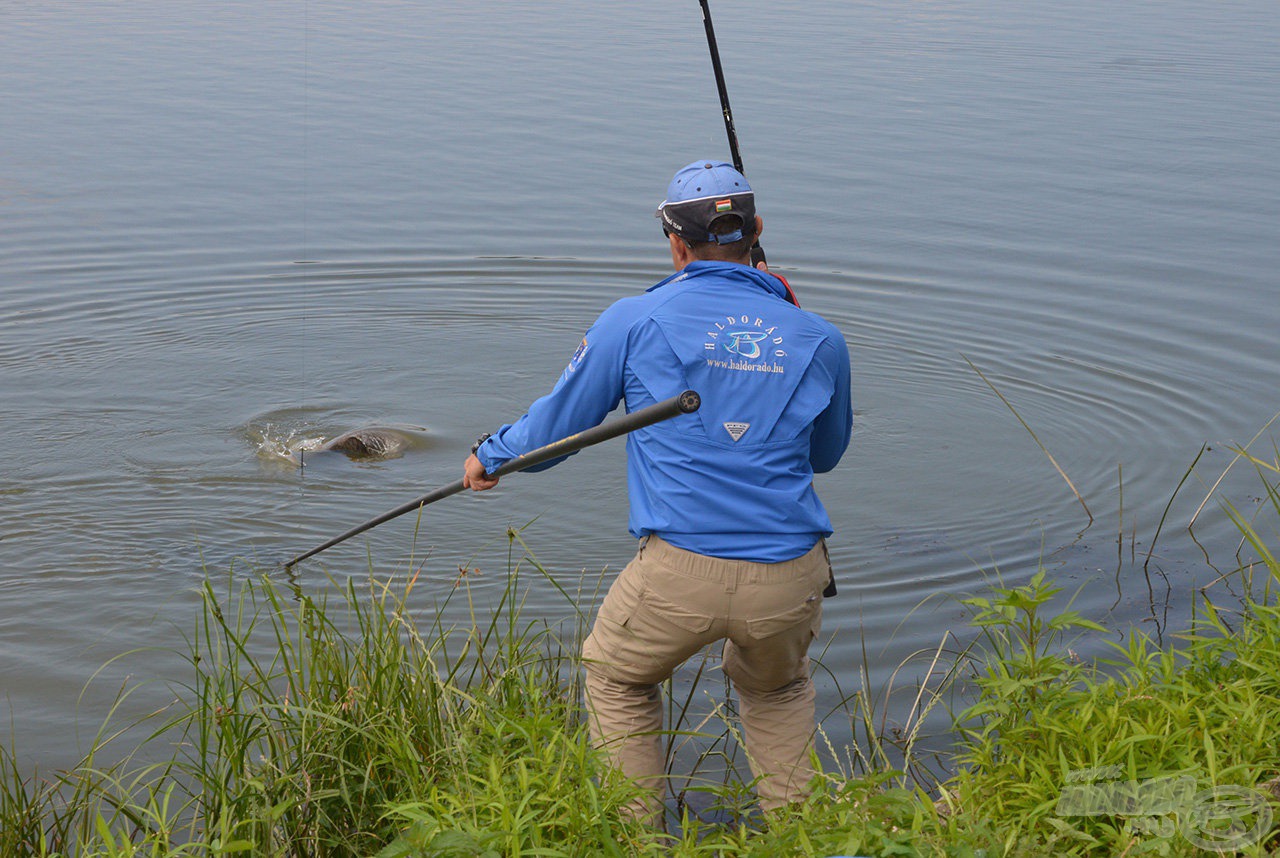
(306, 210)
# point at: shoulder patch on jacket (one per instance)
(578, 355)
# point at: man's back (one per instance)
(736, 480)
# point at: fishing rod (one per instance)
(724, 92)
(686, 403)
(757, 252)
(735, 155)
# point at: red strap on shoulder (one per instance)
(791, 295)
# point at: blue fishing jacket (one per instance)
(734, 479)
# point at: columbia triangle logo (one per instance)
(736, 430)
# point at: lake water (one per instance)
(226, 226)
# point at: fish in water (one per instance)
(371, 443)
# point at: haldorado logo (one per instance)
(747, 337)
(745, 343)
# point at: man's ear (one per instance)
(759, 227)
(681, 253)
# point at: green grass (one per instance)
(1207, 712)
(346, 720)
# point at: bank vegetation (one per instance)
(360, 723)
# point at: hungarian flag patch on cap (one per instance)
(723, 206)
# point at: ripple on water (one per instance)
(942, 488)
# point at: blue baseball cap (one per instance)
(702, 192)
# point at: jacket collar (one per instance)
(728, 270)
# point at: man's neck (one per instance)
(745, 260)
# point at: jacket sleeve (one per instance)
(589, 388)
(833, 427)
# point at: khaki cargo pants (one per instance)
(665, 606)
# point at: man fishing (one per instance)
(731, 531)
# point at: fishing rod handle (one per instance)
(686, 403)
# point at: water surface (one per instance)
(225, 226)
